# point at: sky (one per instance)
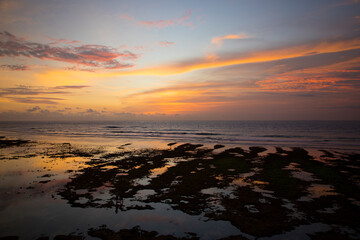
(180, 60)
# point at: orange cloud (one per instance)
(158, 24)
(211, 56)
(218, 40)
(183, 98)
(304, 84)
(332, 78)
(177, 102)
(7, 4)
(246, 58)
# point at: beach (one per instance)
(154, 120)
(176, 190)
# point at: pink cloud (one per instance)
(74, 68)
(166, 43)
(62, 40)
(184, 21)
(98, 56)
(158, 24)
(186, 17)
(141, 48)
(126, 17)
(72, 42)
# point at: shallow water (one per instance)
(51, 189)
(30, 208)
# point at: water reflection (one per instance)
(172, 190)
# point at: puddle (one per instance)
(143, 194)
(121, 174)
(295, 213)
(300, 232)
(242, 180)
(90, 192)
(251, 208)
(142, 181)
(228, 192)
(329, 210)
(320, 190)
(260, 190)
(109, 167)
(298, 173)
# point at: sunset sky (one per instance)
(169, 59)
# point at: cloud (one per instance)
(126, 17)
(236, 98)
(71, 87)
(211, 56)
(219, 40)
(158, 23)
(34, 109)
(162, 23)
(62, 40)
(14, 67)
(334, 77)
(31, 94)
(73, 68)
(98, 56)
(190, 87)
(37, 100)
(186, 17)
(166, 43)
(346, 3)
(39, 114)
(33, 90)
(8, 4)
(91, 111)
(186, 97)
(289, 52)
(339, 77)
(28, 90)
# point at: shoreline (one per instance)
(341, 136)
(252, 192)
(150, 142)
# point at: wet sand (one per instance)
(181, 191)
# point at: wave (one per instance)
(344, 134)
(178, 130)
(207, 134)
(281, 136)
(164, 133)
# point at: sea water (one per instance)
(31, 207)
(341, 135)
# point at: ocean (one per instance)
(334, 135)
(80, 180)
